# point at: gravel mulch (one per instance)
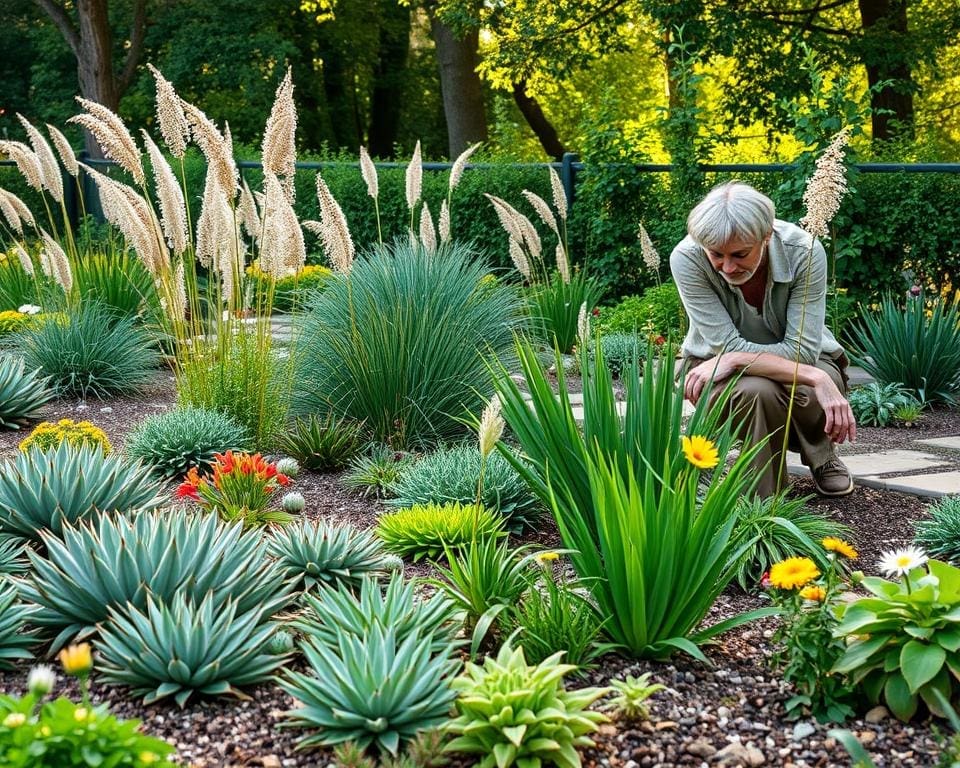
(729, 713)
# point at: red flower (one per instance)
(765, 580)
(282, 479)
(596, 312)
(659, 341)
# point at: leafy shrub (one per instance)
(906, 346)
(322, 443)
(453, 474)
(423, 530)
(316, 552)
(172, 443)
(162, 554)
(876, 404)
(555, 308)
(22, 392)
(290, 293)
(15, 640)
(901, 641)
(185, 648)
(774, 528)
(54, 736)
(117, 279)
(379, 665)
(12, 321)
(939, 534)
(46, 489)
(48, 435)
(400, 344)
(373, 474)
(557, 616)
(619, 350)
(513, 713)
(658, 312)
(94, 354)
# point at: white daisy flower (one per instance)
(902, 561)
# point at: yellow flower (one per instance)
(147, 757)
(45, 731)
(813, 593)
(833, 544)
(793, 572)
(547, 557)
(14, 720)
(700, 451)
(80, 714)
(77, 659)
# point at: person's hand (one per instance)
(715, 369)
(841, 424)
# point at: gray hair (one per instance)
(731, 211)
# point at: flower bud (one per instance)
(14, 720)
(41, 680)
(856, 577)
(77, 659)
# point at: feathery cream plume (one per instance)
(428, 235)
(249, 216)
(49, 167)
(112, 136)
(55, 262)
(559, 196)
(215, 148)
(279, 149)
(210, 223)
(20, 208)
(826, 187)
(583, 326)
(413, 238)
(281, 240)
(530, 235)
(25, 261)
(26, 160)
(170, 116)
(491, 426)
(519, 258)
(10, 213)
(414, 178)
(563, 266)
(67, 156)
(650, 256)
(369, 172)
(173, 210)
(334, 231)
(456, 171)
(178, 294)
(543, 210)
(505, 212)
(444, 224)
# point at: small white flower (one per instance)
(29, 309)
(41, 680)
(902, 561)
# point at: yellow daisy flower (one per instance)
(793, 572)
(700, 451)
(833, 544)
(813, 593)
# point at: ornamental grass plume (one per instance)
(112, 136)
(170, 115)
(583, 327)
(491, 426)
(215, 146)
(26, 262)
(369, 172)
(559, 195)
(67, 156)
(563, 266)
(456, 170)
(505, 213)
(333, 230)
(543, 210)
(414, 180)
(25, 214)
(49, 167)
(443, 225)
(519, 259)
(826, 187)
(700, 451)
(26, 161)
(281, 245)
(247, 208)
(793, 572)
(54, 262)
(279, 148)
(173, 209)
(9, 212)
(428, 235)
(650, 256)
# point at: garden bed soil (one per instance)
(728, 713)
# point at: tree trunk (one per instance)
(893, 104)
(532, 112)
(460, 86)
(388, 75)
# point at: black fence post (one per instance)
(568, 175)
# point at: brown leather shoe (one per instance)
(832, 479)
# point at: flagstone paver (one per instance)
(952, 443)
(934, 485)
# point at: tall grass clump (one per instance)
(401, 343)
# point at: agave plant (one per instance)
(319, 553)
(46, 489)
(22, 392)
(118, 561)
(323, 443)
(338, 610)
(424, 530)
(371, 688)
(15, 643)
(13, 554)
(183, 648)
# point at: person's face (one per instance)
(737, 260)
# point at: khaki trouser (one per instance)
(760, 406)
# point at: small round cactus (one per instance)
(392, 563)
(289, 467)
(293, 503)
(281, 643)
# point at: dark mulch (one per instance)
(728, 713)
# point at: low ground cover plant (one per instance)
(424, 530)
(877, 405)
(373, 473)
(47, 435)
(630, 703)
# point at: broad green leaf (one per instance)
(920, 662)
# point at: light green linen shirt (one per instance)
(721, 320)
